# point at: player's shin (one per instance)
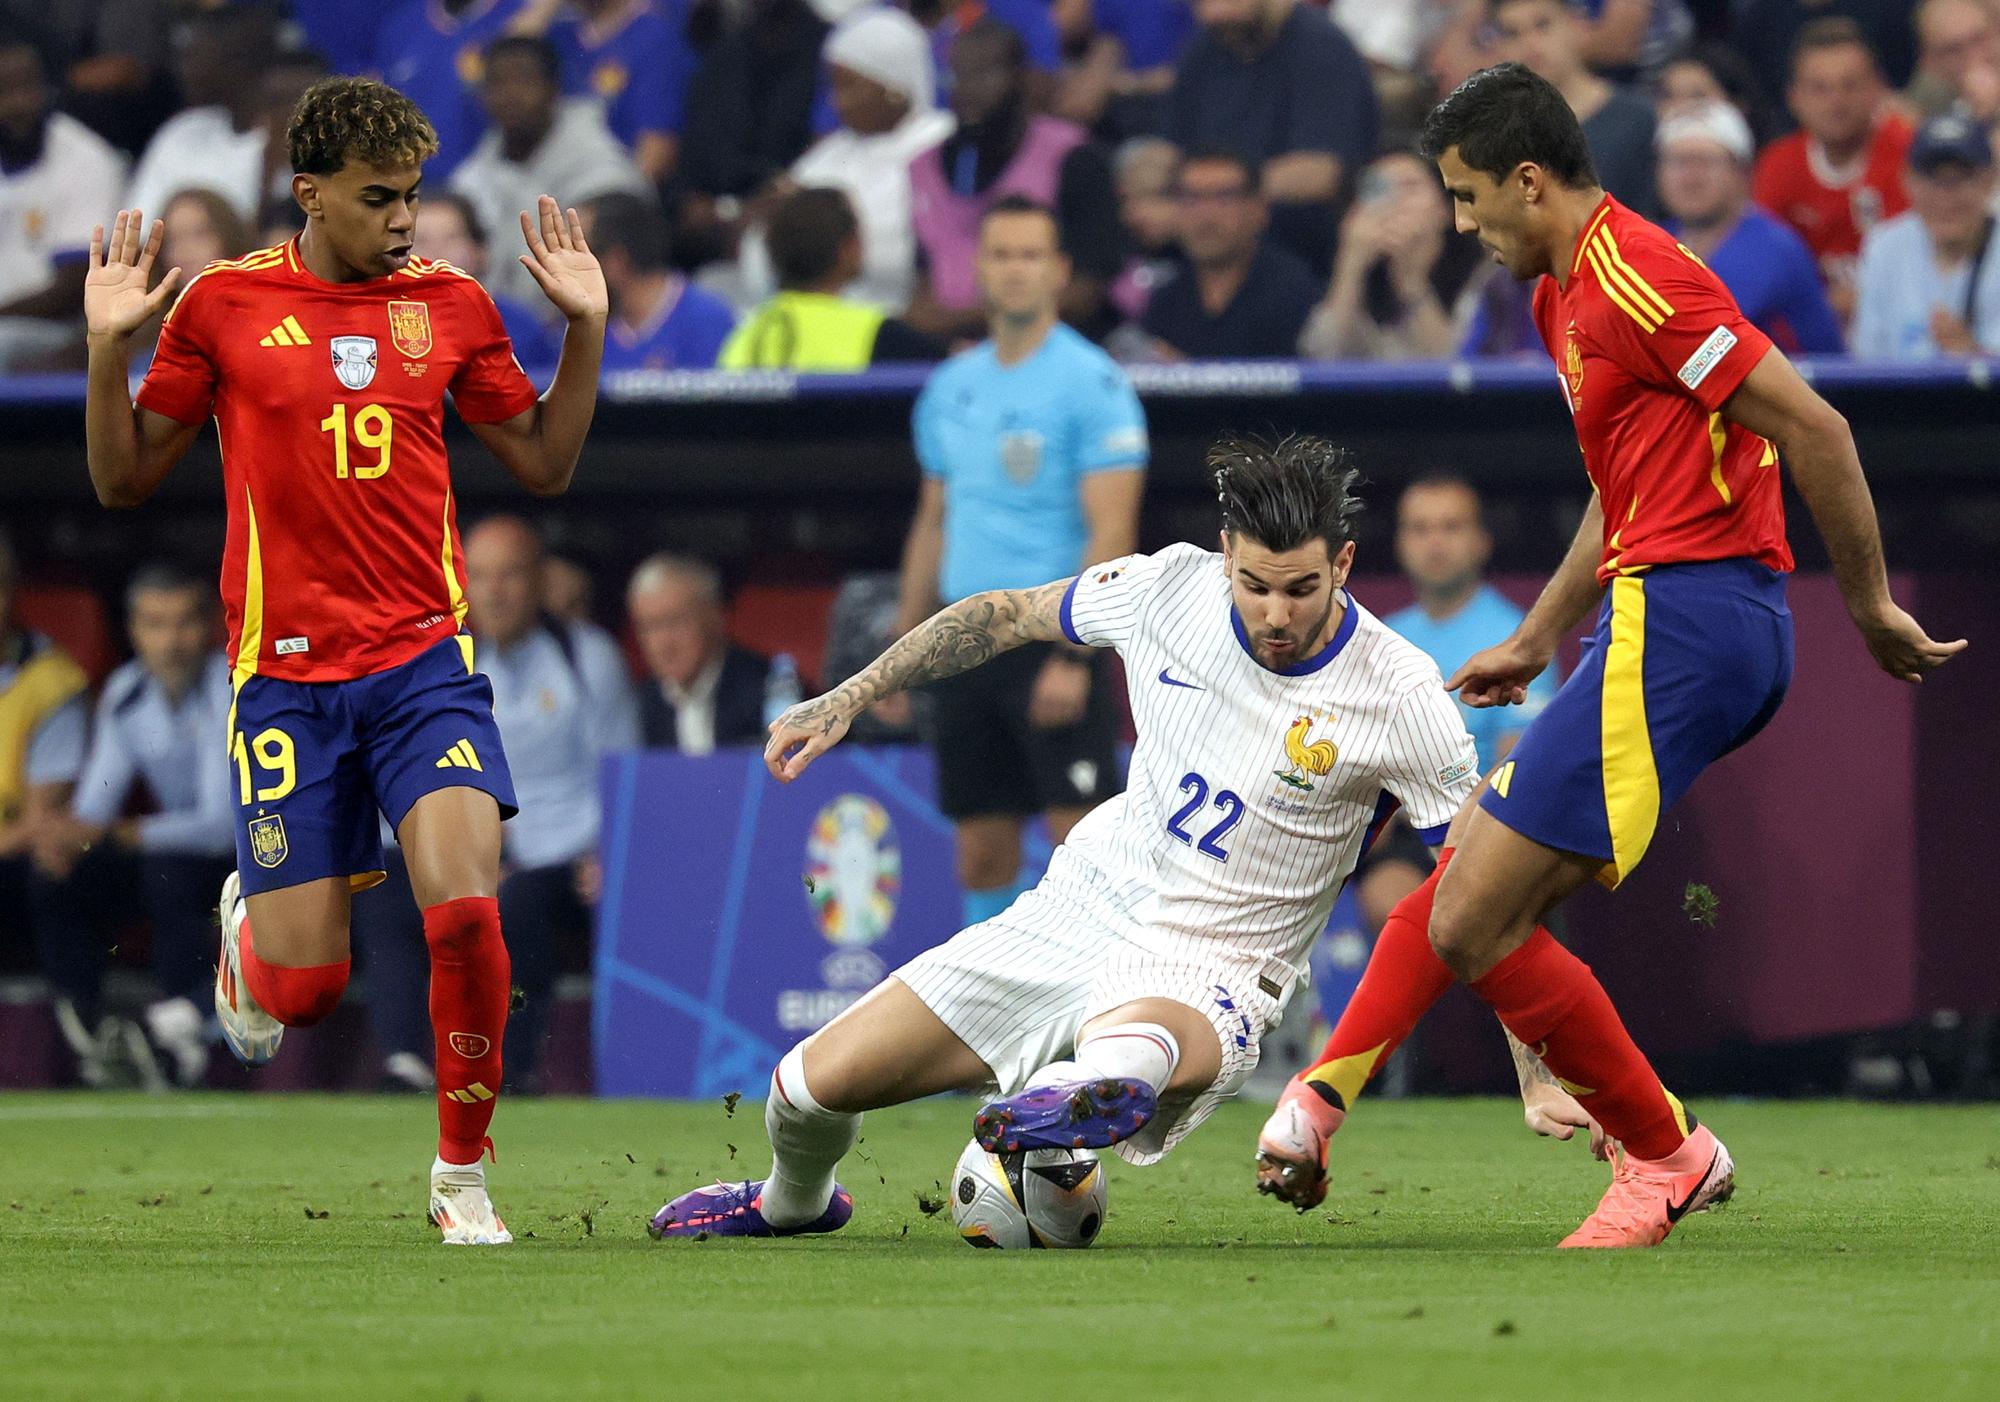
(1137, 1051)
(1403, 979)
(469, 991)
(808, 1142)
(1551, 1001)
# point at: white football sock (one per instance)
(1142, 1051)
(807, 1142)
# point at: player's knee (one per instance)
(815, 1078)
(301, 997)
(1459, 932)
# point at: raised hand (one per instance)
(1498, 676)
(115, 300)
(802, 734)
(560, 260)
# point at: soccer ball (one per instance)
(1033, 1198)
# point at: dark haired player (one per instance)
(1682, 409)
(1122, 999)
(325, 362)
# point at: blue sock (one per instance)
(984, 905)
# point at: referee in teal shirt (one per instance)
(1033, 448)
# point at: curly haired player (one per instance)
(325, 362)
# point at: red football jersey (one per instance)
(343, 556)
(1648, 343)
(1830, 214)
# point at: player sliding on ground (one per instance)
(1682, 409)
(325, 363)
(1123, 998)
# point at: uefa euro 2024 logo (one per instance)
(854, 871)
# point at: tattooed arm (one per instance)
(1546, 1106)
(953, 640)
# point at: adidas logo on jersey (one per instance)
(287, 333)
(461, 756)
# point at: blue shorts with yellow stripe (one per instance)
(1687, 662)
(315, 761)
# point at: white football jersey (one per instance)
(1252, 793)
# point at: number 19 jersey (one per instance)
(342, 558)
(1253, 793)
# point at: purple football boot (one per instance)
(736, 1209)
(1071, 1115)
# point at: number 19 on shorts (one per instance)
(274, 760)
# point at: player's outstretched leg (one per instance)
(1106, 1094)
(255, 1001)
(800, 1198)
(1403, 979)
(469, 990)
(887, 1049)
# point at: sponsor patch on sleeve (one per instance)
(1707, 356)
(1452, 773)
(1124, 440)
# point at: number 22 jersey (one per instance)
(1253, 793)
(342, 558)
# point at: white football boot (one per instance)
(460, 1208)
(252, 1034)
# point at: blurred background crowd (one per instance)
(804, 185)
(797, 183)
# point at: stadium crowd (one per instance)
(797, 183)
(778, 184)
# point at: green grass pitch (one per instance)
(274, 1247)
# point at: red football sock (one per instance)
(1403, 978)
(469, 989)
(295, 997)
(1548, 998)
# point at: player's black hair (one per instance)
(1283, 494)
(166, 577)
(633, 223)
(533, 46)
(805, 236)
(1504, 117)
(343, 119)
(1223, 155)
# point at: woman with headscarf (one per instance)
(880, 74)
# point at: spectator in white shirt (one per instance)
(157, 725)
(218, 143)
(700, 691)
(57, 179)
(539, 145)
(1929, 284)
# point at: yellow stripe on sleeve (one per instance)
(1631, 780)
(1639, 284)
(1620, 295)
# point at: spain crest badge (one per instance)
(267, 841)
(410, 328)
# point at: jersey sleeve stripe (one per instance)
(1616, 290)
(1645, 289)
(1068, 604)
(1589, 232)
